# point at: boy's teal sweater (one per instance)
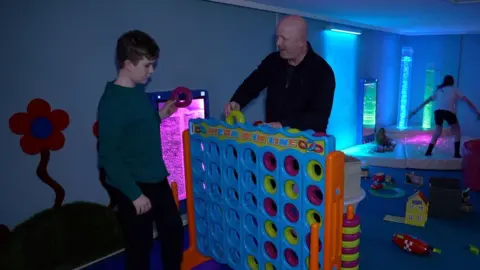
(130, 150)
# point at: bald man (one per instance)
(300, 83)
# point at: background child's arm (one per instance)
(428, 100)
(464, 98)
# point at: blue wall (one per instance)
(63, 52)
(455, 55)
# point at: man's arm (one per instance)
(253, 85)
(317, 116)
(111, 122)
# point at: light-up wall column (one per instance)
(428, 109)
(404, 93)
(340, 51)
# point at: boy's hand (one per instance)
(168, 109)
(142, 204)
(229, 107)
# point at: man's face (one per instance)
(288, 42)
(142, 71)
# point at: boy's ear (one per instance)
(128, 64)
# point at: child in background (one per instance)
(445, 97)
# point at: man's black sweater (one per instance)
(299, 96)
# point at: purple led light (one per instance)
(171, 134)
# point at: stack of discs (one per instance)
(351, 240)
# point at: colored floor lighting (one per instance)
(428, 109)
(406, 70)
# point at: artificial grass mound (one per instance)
(63, 238)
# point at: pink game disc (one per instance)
(350, 237)
(347, 265)
(351, 223)
(350, 251)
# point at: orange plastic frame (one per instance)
(333, 214)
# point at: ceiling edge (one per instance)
(274, 9)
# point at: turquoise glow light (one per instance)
(340, 51)
(404, 93)
(428, 109)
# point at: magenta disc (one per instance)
(314, 195)
(350, 237)
(351, 223)
(350, 264)
(271, 250)
(350, 251)
(269, 161)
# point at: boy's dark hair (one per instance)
(134, 46)
(448, 80)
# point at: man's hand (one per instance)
(275, 124)
(229, 107)
(411, 114)
(142, 204)
(168, 109)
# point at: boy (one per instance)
(446, 96)
(130, 152)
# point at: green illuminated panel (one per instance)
(369, 105)
(428, 110)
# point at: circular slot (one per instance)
(292, 166)
(201, 225)
(291, 212)
(197, 147)
(232, 175)
(308, 241)
(232, 196)
(252, 262)
(290, 235)
(200, 185)
(270, 184)
(271, 250)
(216, 212)
(250, 201)
(231, 154)
(270, 207)
(314, 195)
(234, 256)
(217, 231)
(291, 257)
(270, 229)
(233, 218)
(270, 266)
(291, 189)
(314, 217)
(215, 191)
(251, 244)
(200, 207)
(269, 161)
(250, 180)
(251, 224)
(315, 170)
(214, 172)
(198, 167)
(214, 150)
(233, 237)
(249, 157)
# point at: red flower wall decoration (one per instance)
(41, 130)
(101, 170)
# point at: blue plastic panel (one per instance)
(256, 192)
